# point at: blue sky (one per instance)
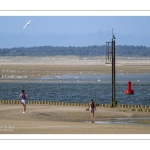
(73, 30)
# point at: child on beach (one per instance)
(92, 108)
(23, 97)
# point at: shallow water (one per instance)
(121, 121)
(81, 88)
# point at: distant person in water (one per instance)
(23, 97)
(92, 108)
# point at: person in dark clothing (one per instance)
(23, 97)
(92, 108)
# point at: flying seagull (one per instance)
(28, 23)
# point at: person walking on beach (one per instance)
(23, 97)
(92, 108)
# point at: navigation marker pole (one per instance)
(110, 59)
(113, 100)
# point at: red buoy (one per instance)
(129, 90)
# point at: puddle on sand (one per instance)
(120, 121)
(107, 122)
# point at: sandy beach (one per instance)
(35, 67)
(50, 119)
(39, 70)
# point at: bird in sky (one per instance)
(28, 23)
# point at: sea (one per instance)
(80, 88)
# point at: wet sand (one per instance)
(29, 71)
(50, 119)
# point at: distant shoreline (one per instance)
(33, 70)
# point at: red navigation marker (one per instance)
(129, 90)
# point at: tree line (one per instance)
(121, 50)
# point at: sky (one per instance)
(73, 30)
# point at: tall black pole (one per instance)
(113, 100)
(111, 58)
(112, 73)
